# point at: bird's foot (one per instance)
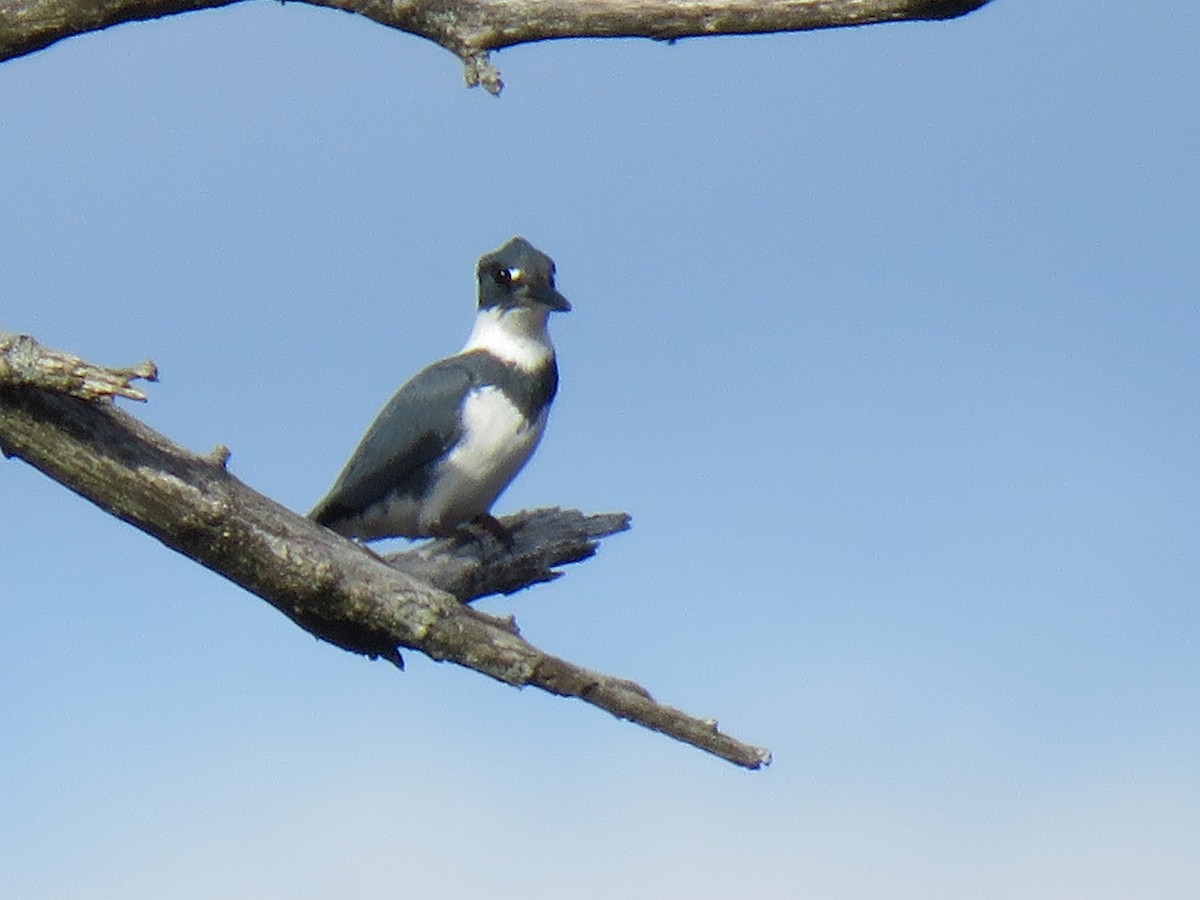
(483, 530)
(496, 529)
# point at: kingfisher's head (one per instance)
(516, 276)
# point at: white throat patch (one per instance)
(517, 336)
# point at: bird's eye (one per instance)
(503, 276)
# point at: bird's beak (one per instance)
(552, 299)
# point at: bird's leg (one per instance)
(479, 529)
(495, 528)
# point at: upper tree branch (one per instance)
(329, 586)
(472, 28)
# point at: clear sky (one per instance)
(887, 339)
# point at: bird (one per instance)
(455, 435)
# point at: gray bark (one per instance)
(472, 28)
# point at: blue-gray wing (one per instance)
(398, 453)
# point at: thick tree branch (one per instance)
(472, 28)
(335, 589)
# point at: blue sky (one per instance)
(887, 339)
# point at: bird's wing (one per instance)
(415, 429)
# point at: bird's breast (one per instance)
(497, 440)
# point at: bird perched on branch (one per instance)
(455, 435)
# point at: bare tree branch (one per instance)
(539, 540)
(472, 28)
(24, 361)
(331, 587)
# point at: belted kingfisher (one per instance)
(452, 438)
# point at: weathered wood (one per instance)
(472, 28)
(478, 564)
(24, 361)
